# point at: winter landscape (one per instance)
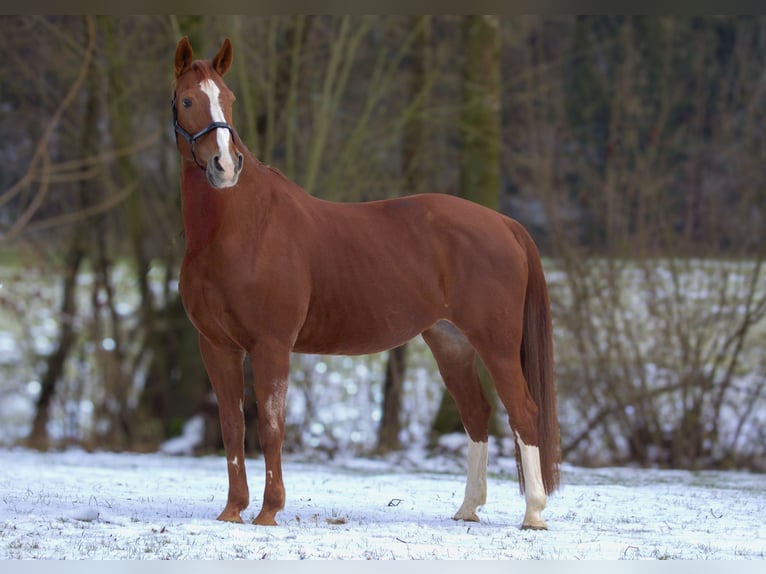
(341, 504)
(75, 505)
(629, 146)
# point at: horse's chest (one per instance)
(227, 304)
(202, 297)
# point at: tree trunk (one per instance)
(480, 117)
(54, 368)
(393, 388)
(479, 160)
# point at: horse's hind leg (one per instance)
(455, 357)
(504, 366)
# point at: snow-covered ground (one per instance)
(74, 505)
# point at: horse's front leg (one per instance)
(224, 367)
(271, 367)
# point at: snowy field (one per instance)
(75, 505)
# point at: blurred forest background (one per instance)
(632, 148)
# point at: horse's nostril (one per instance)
(217, 163)
(240, 161)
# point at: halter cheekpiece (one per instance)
(193, 138)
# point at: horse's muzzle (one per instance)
(222, 175)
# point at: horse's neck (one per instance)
(202, 209)
(256, 194)
(205, 207)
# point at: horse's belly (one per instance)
(357, 332)
(376, 297)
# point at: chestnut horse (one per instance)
(270, 270)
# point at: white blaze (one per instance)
(222, 137)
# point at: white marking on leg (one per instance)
(534, 492)
(222, 136)
(235, 463)
(476, 482)
(241, 407)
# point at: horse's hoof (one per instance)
(466, 516)
(262, 520)
(230, 516)
(536, 526)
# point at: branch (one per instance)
(91, 211)
(41, 153)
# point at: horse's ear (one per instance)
(184, 56)
(223, 58)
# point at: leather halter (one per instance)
(193, 138)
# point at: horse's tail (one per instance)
(537, 363)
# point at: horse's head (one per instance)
(202, 114)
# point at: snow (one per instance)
(79, 505)
(191, 436)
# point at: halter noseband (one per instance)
(193, 138)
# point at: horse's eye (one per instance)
(186, 102)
